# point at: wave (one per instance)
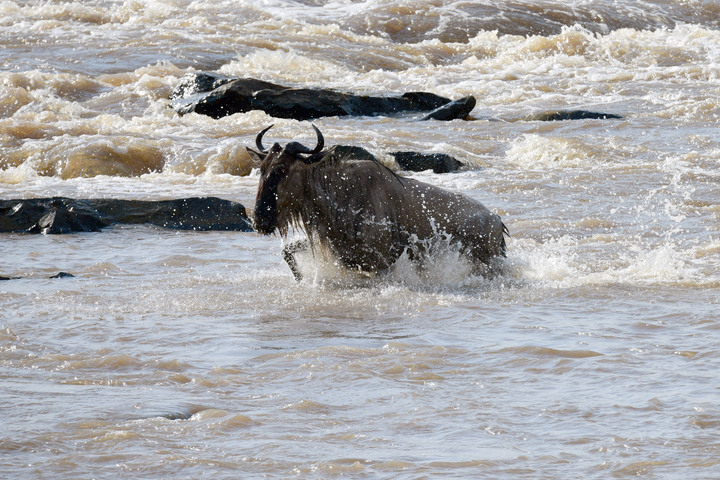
(406, 21)
(403, 21)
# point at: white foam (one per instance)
(289, 67)
(445, 268)
(540, 152)
(565, 262)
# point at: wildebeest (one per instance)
(362, 212)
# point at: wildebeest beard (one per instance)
(265, 213)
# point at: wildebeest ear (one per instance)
(256, 157)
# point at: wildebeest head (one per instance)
(275, 165)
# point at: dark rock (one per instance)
(64, 215)
(458, 109)
(49, 215)
(339, 152)
(423, 101)
(304, 103)
(218, 96)
(57, 275)
(418, 162)
(198, 83)
(177, 415)
(202, 214)
(557, 115)
(412, 161)
(63, 275)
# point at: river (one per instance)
(184, 355)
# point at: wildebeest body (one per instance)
(367, 215)
(364, 213)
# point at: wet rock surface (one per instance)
(59, 215)
(560, 115)
(418, 162)
(57, 275)
(457, 109)
(218, 96)
(408, 161)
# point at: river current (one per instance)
(174, 354)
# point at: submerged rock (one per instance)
(409, 161)
(418, 162)
(338, 152)
(458, 109)
(558, 115)
(197, 83)
(176, 415)
(62, 218)
(218, 96)
(60, 215)
(63, 275)
(57, 275)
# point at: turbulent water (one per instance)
(594, 354)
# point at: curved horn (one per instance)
(320, 141)
(296, 147)
(258, 139)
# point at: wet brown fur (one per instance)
(367, 215)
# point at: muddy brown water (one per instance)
(595, 354)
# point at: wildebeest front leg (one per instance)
(289, 256)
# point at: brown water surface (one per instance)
(185, 355)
